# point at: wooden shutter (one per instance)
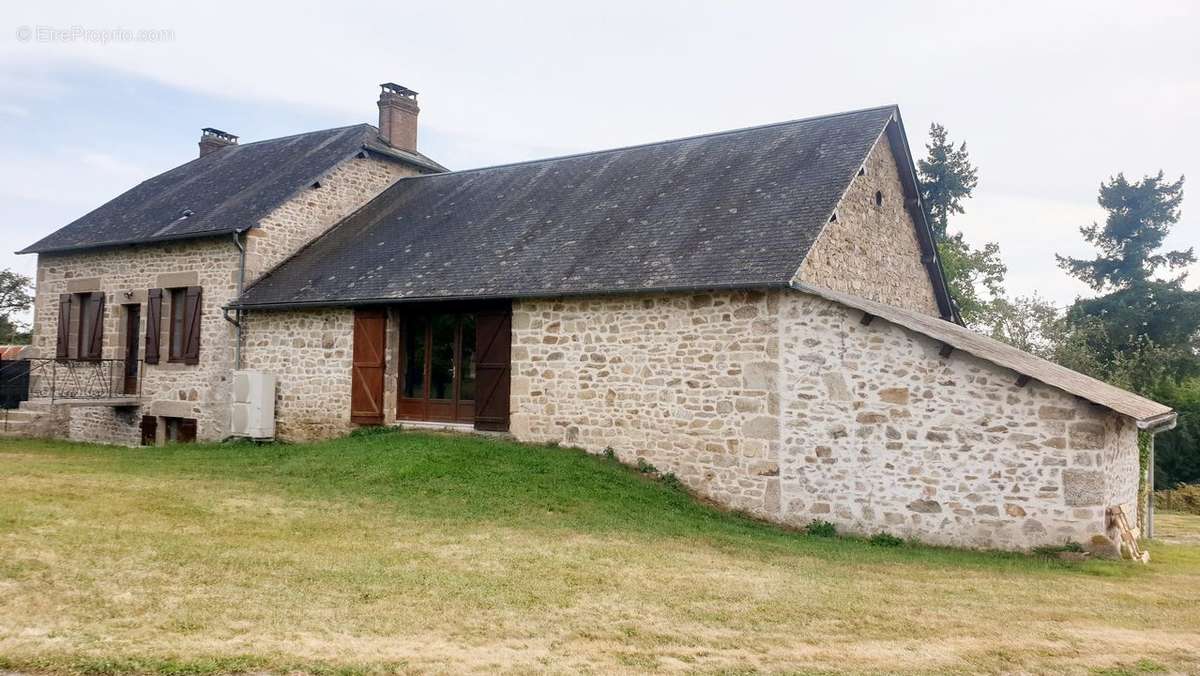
(62, 345)
(493, 369)
(191, 325)
(366, 378)
(95, 347)
(149, 430)
(153, 321)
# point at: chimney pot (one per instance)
(398, 112)
(215, 139)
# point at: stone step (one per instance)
(16, 414)
(38, 405)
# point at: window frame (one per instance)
(177, 330)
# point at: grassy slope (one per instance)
(405, 551)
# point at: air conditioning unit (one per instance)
(253, 413)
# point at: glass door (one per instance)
(437, 374)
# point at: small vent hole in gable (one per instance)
(878, 198)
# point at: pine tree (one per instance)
(1140, 216)
(947, 180)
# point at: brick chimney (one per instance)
(215, 139)
(398, 116)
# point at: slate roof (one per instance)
(732, 209)
(1148, 414)
(225, 191)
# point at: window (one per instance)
(175, 344)
(183, 323)
(81, 325)
(179, 430)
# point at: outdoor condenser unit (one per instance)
(253, 412)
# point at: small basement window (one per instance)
(180, 430)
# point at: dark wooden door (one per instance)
(437, 365)
(133, 320)
(493, 336)
(366, 381)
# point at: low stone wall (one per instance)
(106, 425)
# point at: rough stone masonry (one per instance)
(786, 406)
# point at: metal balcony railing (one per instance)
(84, 379)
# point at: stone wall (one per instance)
(310, 353)
(124, 274)
(314, 210)
(784, 405)
(687, 382)
(872, 250)
(168, 389)
(105, 425)
(881, 433)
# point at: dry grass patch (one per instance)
(417, 553)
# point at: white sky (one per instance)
(1051, 97)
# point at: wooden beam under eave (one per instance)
(946, 350)
(1023, 380)
(867, 318)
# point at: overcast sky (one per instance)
(1051, 97)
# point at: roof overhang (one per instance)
(1149, 416)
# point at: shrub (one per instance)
(645, 467)
(671, 481)
(885, 540)
(822, 529)
(1182, 498)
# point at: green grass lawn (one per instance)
(407, 552)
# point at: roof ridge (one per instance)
(712, 134)
(304, 133)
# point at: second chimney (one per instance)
(215, 139)
(398, 116)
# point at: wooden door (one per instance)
(493, 336)
(366, 381)
(437, 365)
(133, 317)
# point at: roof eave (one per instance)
(1157, 422)
(359, 302)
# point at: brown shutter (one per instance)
(493, 366)
(95, 348)
(63, 342)
(366, 376)
(153, 321)
(191, 325)
(149, 430)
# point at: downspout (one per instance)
(1153, 427)
(241, 283)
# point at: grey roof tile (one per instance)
(225, 191)
(737, 208)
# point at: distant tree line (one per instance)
(1141, 330)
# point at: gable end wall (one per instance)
(872, 251)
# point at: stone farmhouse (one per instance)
(760, 311)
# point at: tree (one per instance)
(15, 297)
(1143, 333)
(974, 276)
(1029, 323)
(1140, 216)
(947, 178)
